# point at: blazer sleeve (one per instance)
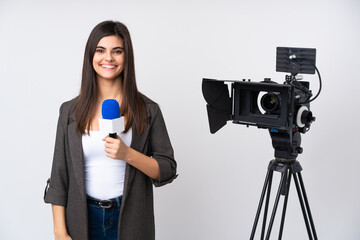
(161, 149)
(58, 184)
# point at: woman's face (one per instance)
(108, 61)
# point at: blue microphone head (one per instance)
(110, 109)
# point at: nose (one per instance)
(108, 56)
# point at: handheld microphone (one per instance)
(111, 122)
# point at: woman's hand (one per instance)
(60, 231)
(62, 237)
(116, 148)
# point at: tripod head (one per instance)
(287, 147)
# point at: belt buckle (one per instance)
(106, 204)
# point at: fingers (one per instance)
(111, 153)
(114, 145)
(115, 148)
(110, 139)
(110, 150)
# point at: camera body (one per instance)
(281, 108)
(264, 104)
(271, 105)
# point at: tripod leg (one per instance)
(285, 205)
(266, 206)
(283, 177)
(304, 211)
(307, 205)
(266, 184)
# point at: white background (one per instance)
(176, 44)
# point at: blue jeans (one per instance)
(103, 222)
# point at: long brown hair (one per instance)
(133, 105)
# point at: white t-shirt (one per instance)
(104, 176)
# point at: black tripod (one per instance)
(285, 162)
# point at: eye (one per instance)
(99, 50)
(118, 51)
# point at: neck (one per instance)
(109, 89)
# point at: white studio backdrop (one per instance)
(176, 44)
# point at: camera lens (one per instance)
(270, 102)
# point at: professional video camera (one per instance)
(284, 109)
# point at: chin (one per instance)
(110, 78)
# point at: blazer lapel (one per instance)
(76, 153)
(137, 143)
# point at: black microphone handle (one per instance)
(113, 135)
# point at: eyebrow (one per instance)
(113, 48)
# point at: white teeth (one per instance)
(108, 66)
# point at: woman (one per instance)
(101, 187)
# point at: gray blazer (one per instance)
(67, 184)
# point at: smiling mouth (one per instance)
(108, 66)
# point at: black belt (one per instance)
(105, 203)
